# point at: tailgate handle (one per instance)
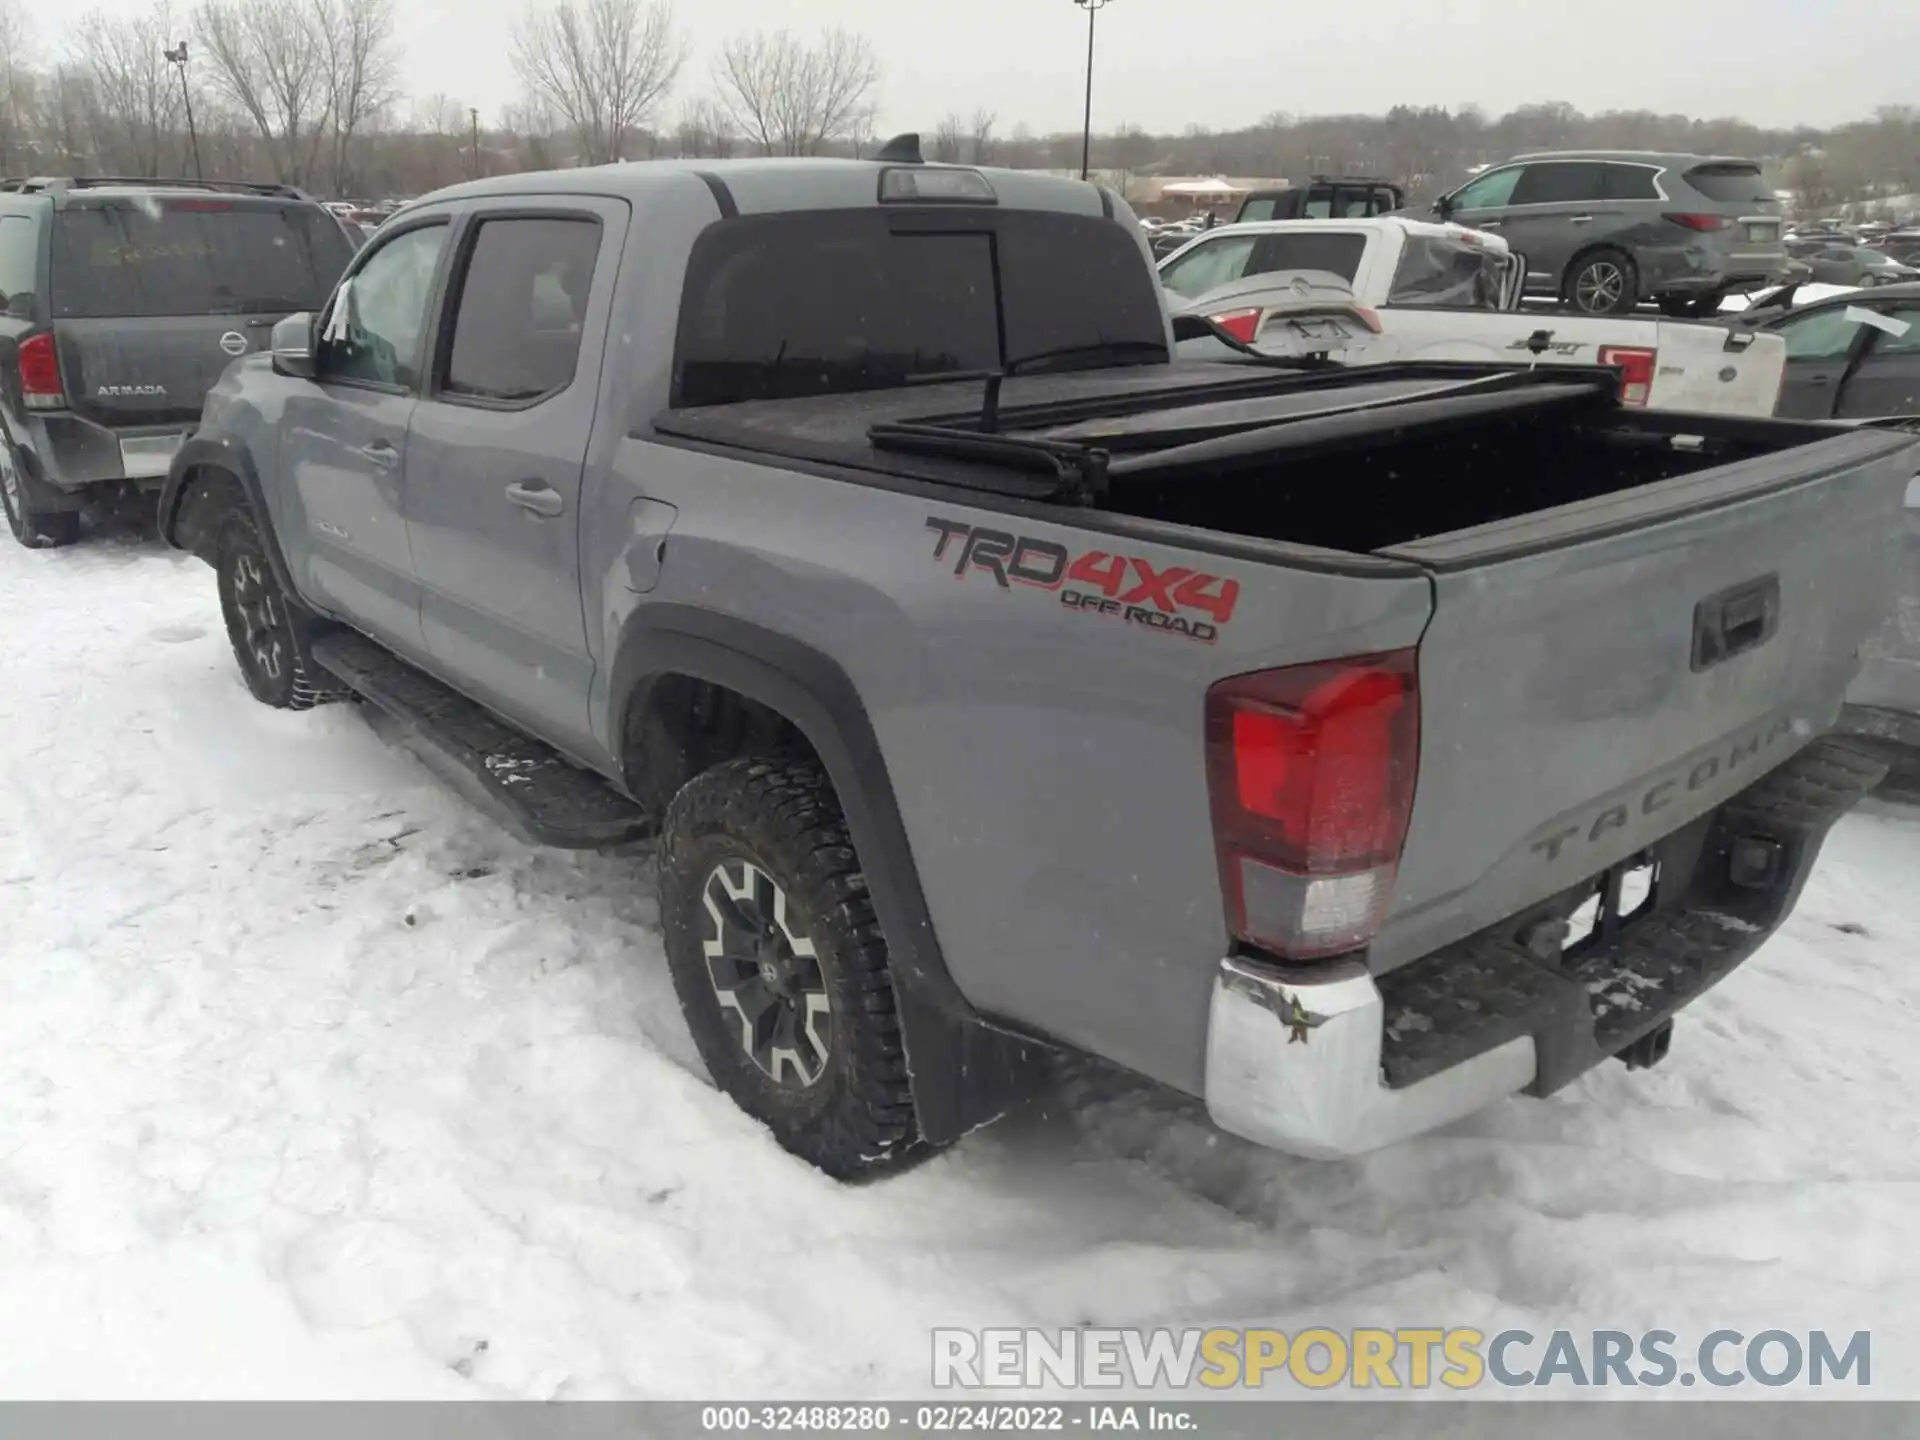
(1735, 621)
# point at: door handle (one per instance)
(1581, 219)
(537, 496)
(1489, 224)
(1735, 621)
(381, 453)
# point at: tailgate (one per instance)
(1694, 370)
(1595, 676)
(152, 369)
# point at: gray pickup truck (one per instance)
(1348, 749)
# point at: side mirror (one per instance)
(1443, 207)
(293, 346)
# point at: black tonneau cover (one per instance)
(1167, 416)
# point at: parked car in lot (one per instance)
(1832, 263)
(1850, 356)
(1604, 230)
(1855, 356)
(125, 299)
(1902, 245)
(1324, 197)
(1368, 292)
(995, 684)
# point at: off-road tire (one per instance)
(1585, 284)
(781, 818)
(35, 529)
(271, 635)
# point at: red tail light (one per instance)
(1311, 771)
(1243, 325)
(1702, 223)
(40, 385)
(1636, 371)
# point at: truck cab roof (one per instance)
(767, 185)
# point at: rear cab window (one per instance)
(1209, 265)
(147, 256)
(1336, 252)
(830, 302)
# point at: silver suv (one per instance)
(1605, 230)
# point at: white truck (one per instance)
(1390, 289)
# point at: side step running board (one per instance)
(530, 788)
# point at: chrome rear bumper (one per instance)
(1294, 1063)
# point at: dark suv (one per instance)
(1603, 231)
(121, 302)
(1324, 197)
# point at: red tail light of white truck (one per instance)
(1636, 371)
(1311, 772)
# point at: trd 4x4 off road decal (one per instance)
(1175, 600)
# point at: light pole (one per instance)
(1093, 8)
(178, 56)
(473, 114)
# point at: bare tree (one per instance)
(362, 71)
(135, 93)
(790, 98)
(535, 126)
(602, 64)
(269, 60)
(17, 78)
(985, 148)
(949, 141)
(704, 131)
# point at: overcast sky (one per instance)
(1167, 64)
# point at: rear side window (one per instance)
(1335, 253)
(193, 257)
(1630, 182)
(516, 333)
(835, 301)
(1731, 183)
(1259, 208)
(19, 258)
(1561, 182)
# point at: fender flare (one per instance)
(964, 1069)
(232, 459)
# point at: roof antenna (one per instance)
(990, 404)
(901, 150)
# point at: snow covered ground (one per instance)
(314, 1084)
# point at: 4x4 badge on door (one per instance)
(233, 342)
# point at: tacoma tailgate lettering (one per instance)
(1658, 796)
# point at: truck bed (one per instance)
(1624, 618)
(1362, 463)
